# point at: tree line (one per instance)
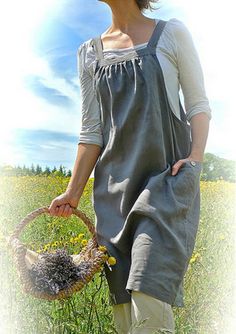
(214, 168)
(9, 170)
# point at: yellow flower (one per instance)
(72, 240)
(76, 239)
(197, 255)
(84, 242)
(81, 235)
(102, 248)
(46, 247)
(111, 260)
(193, 259)
(55, 244)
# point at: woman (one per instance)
(148, 159)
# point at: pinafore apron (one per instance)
(147, 218)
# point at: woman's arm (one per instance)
(199, 132)
(89, 146)
(87, 155)
(90, 139)
(198, 111)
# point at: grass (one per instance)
(209, 281)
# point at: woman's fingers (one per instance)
(54, 207)
(176, 167)
(62, 205)
(61, 210)
(67, 211)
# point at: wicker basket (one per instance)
(24, 258)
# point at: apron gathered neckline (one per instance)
(149, 48)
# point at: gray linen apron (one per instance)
(146, 217)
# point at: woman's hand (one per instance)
(62, 205)
(178, 164)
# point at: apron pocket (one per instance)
(186, 182)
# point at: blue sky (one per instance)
(41, 93)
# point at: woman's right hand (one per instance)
(62, 205)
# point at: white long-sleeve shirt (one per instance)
(181, 68)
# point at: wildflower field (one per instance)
(209, 281)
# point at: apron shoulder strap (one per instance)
(156, 33)
(182, 112)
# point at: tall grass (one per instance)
(209, 281)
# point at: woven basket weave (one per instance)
(24, 258)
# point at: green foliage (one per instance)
(216, 168)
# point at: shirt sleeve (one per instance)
(90, 131)
(190, 72)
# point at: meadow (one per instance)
(209, 281)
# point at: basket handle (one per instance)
(45, 209)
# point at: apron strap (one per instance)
(156, 34)
(182, 112)
(98, 47)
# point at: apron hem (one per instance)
(154, 293)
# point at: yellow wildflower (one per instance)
(72, 240)
(102, 248)
(195, 257)
(46, 247)
(84, 242)
(81, 235)
(55, 244)
(111, 261)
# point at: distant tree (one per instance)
(69, 173)
(47, 171)
(216, 168)
(38, 169)
(32, 169)
(54, 169)
(18, 171)
(25, 170)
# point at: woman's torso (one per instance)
(166, 55)
(177, 57)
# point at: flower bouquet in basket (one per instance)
(56, 275)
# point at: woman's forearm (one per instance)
(199, 132)
(87, 155)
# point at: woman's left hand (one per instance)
(178, 164)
